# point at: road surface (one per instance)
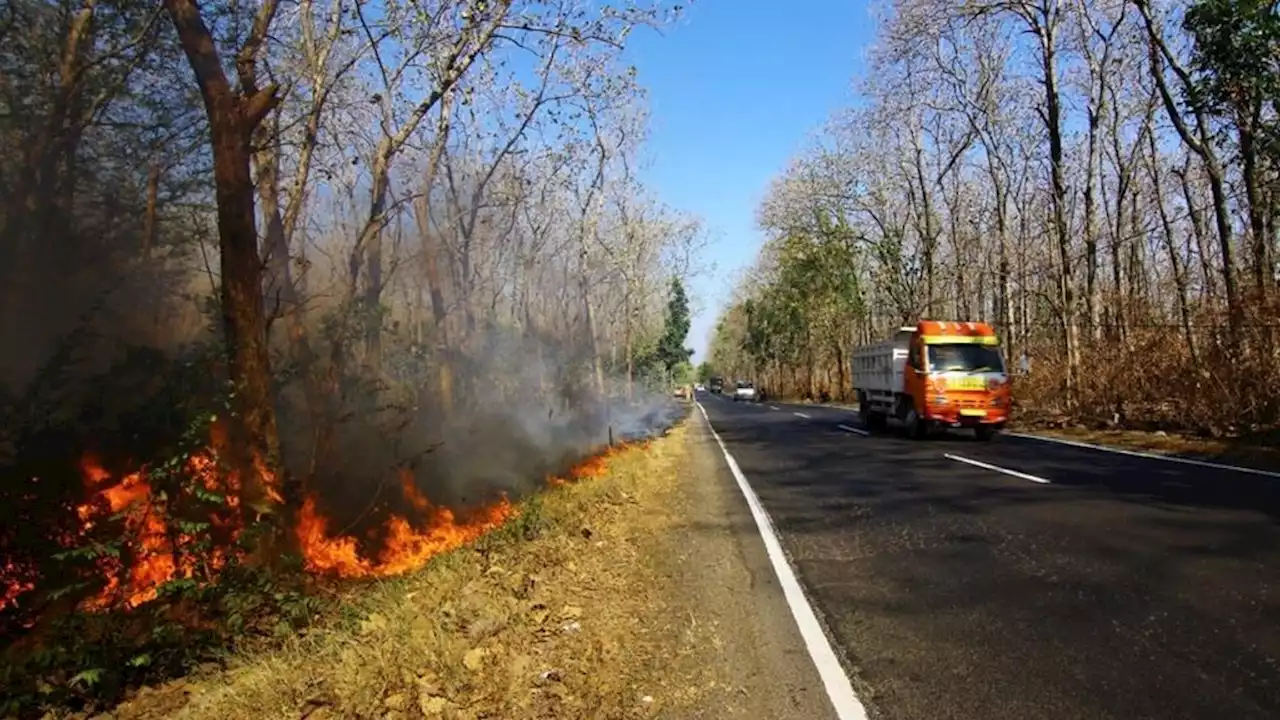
(1021, 579)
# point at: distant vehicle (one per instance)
(699, 387)
(934, 375)
(716, 384)
(745, 391)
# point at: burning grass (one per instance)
(211, 598)
(536, 619)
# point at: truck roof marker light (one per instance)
(960, 340)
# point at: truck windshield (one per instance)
(965, 358)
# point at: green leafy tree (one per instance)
(671, 350)
(1236, 60)
(705, 371)
(800, 317)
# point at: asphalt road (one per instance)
(1093, 585)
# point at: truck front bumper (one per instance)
(966, 417)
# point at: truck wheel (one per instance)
(915, 426)
(984, 433)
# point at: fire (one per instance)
(158, 552)
(407, 545)
(597, 466)
(147, 536)
(15, 580)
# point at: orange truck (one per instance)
(932, 376)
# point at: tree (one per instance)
(671, 351)
(704, 372)
(1236, 60)
(989, 135)
(234, 116)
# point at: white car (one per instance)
(745, 391)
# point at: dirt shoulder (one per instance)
(642, 593)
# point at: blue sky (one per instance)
(735, 89)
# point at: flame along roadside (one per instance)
(160, 555)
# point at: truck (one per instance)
(934, 375)
(715, 384)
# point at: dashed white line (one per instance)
(998, 469)
(801, 415)
(859, 431)
(773, 407)
(834, 679)
(1149, 456)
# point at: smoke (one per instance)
(523, 408)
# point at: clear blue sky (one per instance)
(735, 89)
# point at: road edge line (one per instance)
(997, 468)
(1149, 456)
(834, 678)
(859, 431)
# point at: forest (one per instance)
(1098, 179)
(301, 290)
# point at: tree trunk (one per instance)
(1201, 142)
(232, 119)
(1260, 240)
(149, 220)
(1053, 124)
(1207, 278)
(1175, 260)
(1093, 300)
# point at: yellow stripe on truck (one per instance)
(961, 340)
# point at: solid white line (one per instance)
(839, 688)
(859, 431)
(1149, 456)
(801, 415)
(1006, 471)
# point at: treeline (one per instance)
(1097, 179)
(322, 241)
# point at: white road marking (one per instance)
(773, 407)
(1149, 456)
(998, 469)
(859, 431)
(801, 415)
(834, 679)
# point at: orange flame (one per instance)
(15, 580)
(405, 547)
(146, 534)
(408, 542)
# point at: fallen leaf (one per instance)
(433, 704)
(372, 623)
(474, 658)
(396, 701)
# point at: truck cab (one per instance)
(935, 375)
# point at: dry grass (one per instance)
(561, 614)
